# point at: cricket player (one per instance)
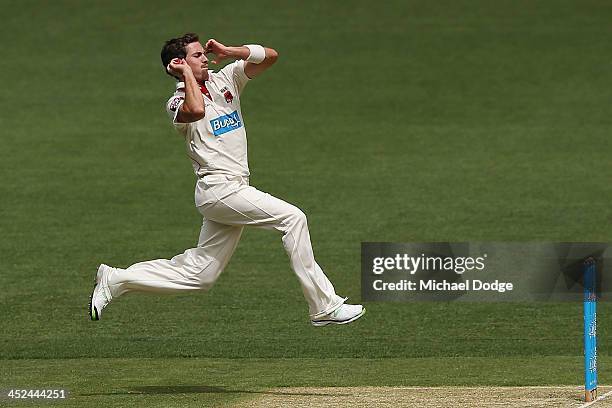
(205, 110)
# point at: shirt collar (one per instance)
(181, 84)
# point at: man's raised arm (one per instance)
(192, 109)
(257, 58)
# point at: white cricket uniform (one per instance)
(217, 146)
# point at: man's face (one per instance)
(197, 61)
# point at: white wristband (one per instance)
(257, 53)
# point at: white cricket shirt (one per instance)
(216, 144)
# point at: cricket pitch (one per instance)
(427, 397)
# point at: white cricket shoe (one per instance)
(342, 315)
(101, 296)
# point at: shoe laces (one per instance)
(337, 311)
(101, 296)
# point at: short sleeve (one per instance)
(172, 107)
(234, 73)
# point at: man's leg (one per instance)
(195, 269)
(249, 206)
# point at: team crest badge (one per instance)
(228, 96)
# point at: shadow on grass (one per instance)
(200, 389)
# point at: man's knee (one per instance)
(297, 217)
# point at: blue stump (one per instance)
(590, 329)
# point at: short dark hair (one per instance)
(175, 48)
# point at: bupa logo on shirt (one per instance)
(226, 123)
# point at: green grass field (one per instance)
(405, 121)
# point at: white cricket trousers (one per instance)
(227, 204)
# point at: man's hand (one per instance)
(220, 51)
(178, 67)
